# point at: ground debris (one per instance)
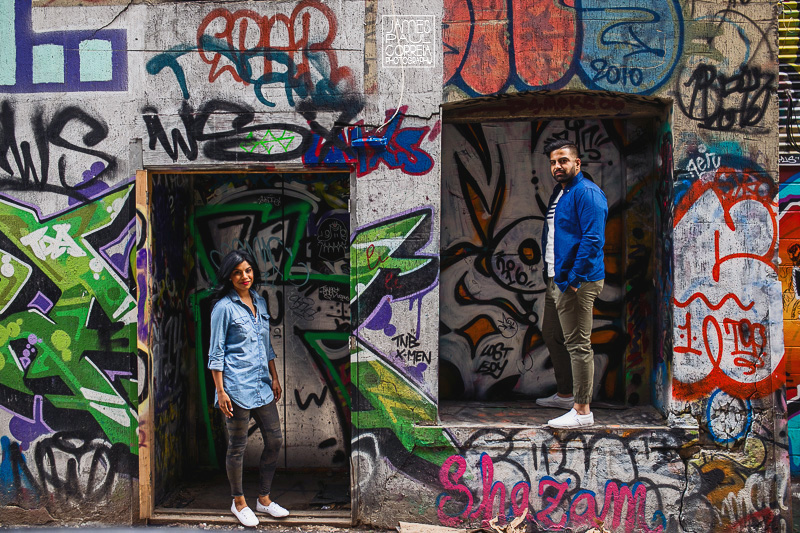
(515, 526)
(601, 529)
(413, 527)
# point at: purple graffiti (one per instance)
(381, 320)
(26, 430)
(75, 49)
(118, 251)
(41, 302)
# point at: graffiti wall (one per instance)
(496, 184)
(69, 371)
(433, 236)
(692, 277)
(170, 345)
(789, 274)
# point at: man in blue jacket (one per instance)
(573, 239)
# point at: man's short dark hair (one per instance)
(558, 144)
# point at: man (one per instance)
(573, 239)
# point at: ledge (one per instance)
(526, 414)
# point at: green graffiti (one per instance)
(374, 249)
(399, 406)
(279, 264)
(269, 141)
(314, 340)
(284, 264)
(66, 351)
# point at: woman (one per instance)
(240, 353)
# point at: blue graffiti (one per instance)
(295, 80)
(631, 47)
(15, 477)
(711, 415)
(58, 61)
(396, 147)
(169, 59)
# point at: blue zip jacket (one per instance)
(240, 347)
(580, 224)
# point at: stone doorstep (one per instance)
(217, 517)
(516, 416)
(689, 432)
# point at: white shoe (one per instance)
(273, 509)
(246, 516)
(571, 420)
(556, 401)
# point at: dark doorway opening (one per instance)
(496, 183)
(296, 225)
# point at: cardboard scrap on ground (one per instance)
(517, 525)
(411, 527)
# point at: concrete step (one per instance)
(218, 517)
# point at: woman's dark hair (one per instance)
(233, 259)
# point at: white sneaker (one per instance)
(556, 401)
(273, 509)
(246, 516)
(571, 420)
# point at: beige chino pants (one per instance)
(567, 331)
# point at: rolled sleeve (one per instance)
(216, 350)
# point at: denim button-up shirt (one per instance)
(580, 227)
(241, 349)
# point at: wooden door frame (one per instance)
(143, 286)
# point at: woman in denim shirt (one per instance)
(242, 363)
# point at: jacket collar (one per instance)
(574, 181)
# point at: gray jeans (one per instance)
(567, 331)
(267, 419)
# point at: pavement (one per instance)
(179, 528)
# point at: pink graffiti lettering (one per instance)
(553, 502)
(492, 489)
(444, 479)
(623, 506)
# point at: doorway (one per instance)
(296, 226)
(496, 183)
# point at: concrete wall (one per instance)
(195, 83)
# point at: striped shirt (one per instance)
(549, 251)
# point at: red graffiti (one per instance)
(378, 261)
(732, 186)
(391, 283)
(739, 342)
(727, 346)
(718, 305)
(478, 50)
(254, 45)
